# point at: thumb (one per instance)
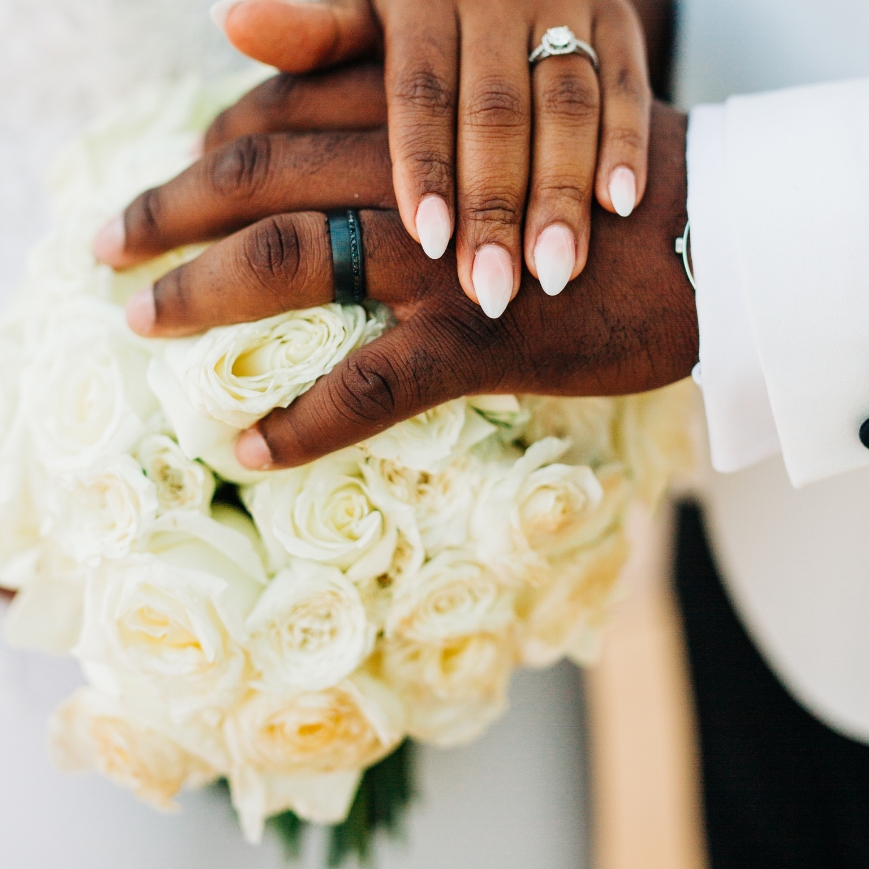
(300, 35)
(407, 371)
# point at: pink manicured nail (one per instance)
(433, 225)
(623, 190)
(141, 311)
(220, 10)
(555, 257)
(493, 279)
(252, 450)
(108, 245)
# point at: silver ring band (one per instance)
(683, 248)
(562, 40)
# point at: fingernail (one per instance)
(220, 10)
(623, 190)
(252, 450)
(493, 279)
(555, 257)
(108, 244)
(141, 311)
(433, 225)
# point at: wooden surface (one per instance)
(645, 781)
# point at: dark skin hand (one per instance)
(627, 325)
(507, 156)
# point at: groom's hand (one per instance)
(627, 325)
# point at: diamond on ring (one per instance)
(558, 38)
(562, 40)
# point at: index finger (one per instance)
(350, 98)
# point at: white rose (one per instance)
(93, 732)
(326, 512)
(453, 594)
(337, 732)
(181, 484)
(174, 615)
(429, 441)
(320, 798)
(100, 513)
(46, 613)
(237, 374)
(452, 690)
(308, 630)
(88, 397)
(566, 615)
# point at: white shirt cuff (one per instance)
(739, 417)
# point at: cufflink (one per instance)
(864, 434)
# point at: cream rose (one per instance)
(181, 484)
(440, 503)
(453, 594)
(566, 615)
(588, 425)
(308, 631)
(537, 505)
(100, 513)
(453, 689)
(341, 730)
(326, 512)
(656, 438)
(237, 374)
(174, 615)
(91, 731)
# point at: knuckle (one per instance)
(425, 90)
(174, 297)
(630, 89)
(433, 168)
(242, 166)
(626, 140)
(144, 217)
(572, 99)
(565, 190)
(497, 104)
(499, 207)
(276, 93)
(271, 253)
(368, 387)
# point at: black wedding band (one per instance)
(348, 266)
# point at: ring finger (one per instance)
(566, 98)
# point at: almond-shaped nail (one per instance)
(220, 10)
(493, 279)
(252, 450)
(555, 258)
(623, 190)
(109, 242)
(433, 225)
(141, 311)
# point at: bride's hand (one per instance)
(482, 143)
(628, 324)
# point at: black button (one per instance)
(864, 434)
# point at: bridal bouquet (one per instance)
(281, 631)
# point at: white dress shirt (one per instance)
(779, 206)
